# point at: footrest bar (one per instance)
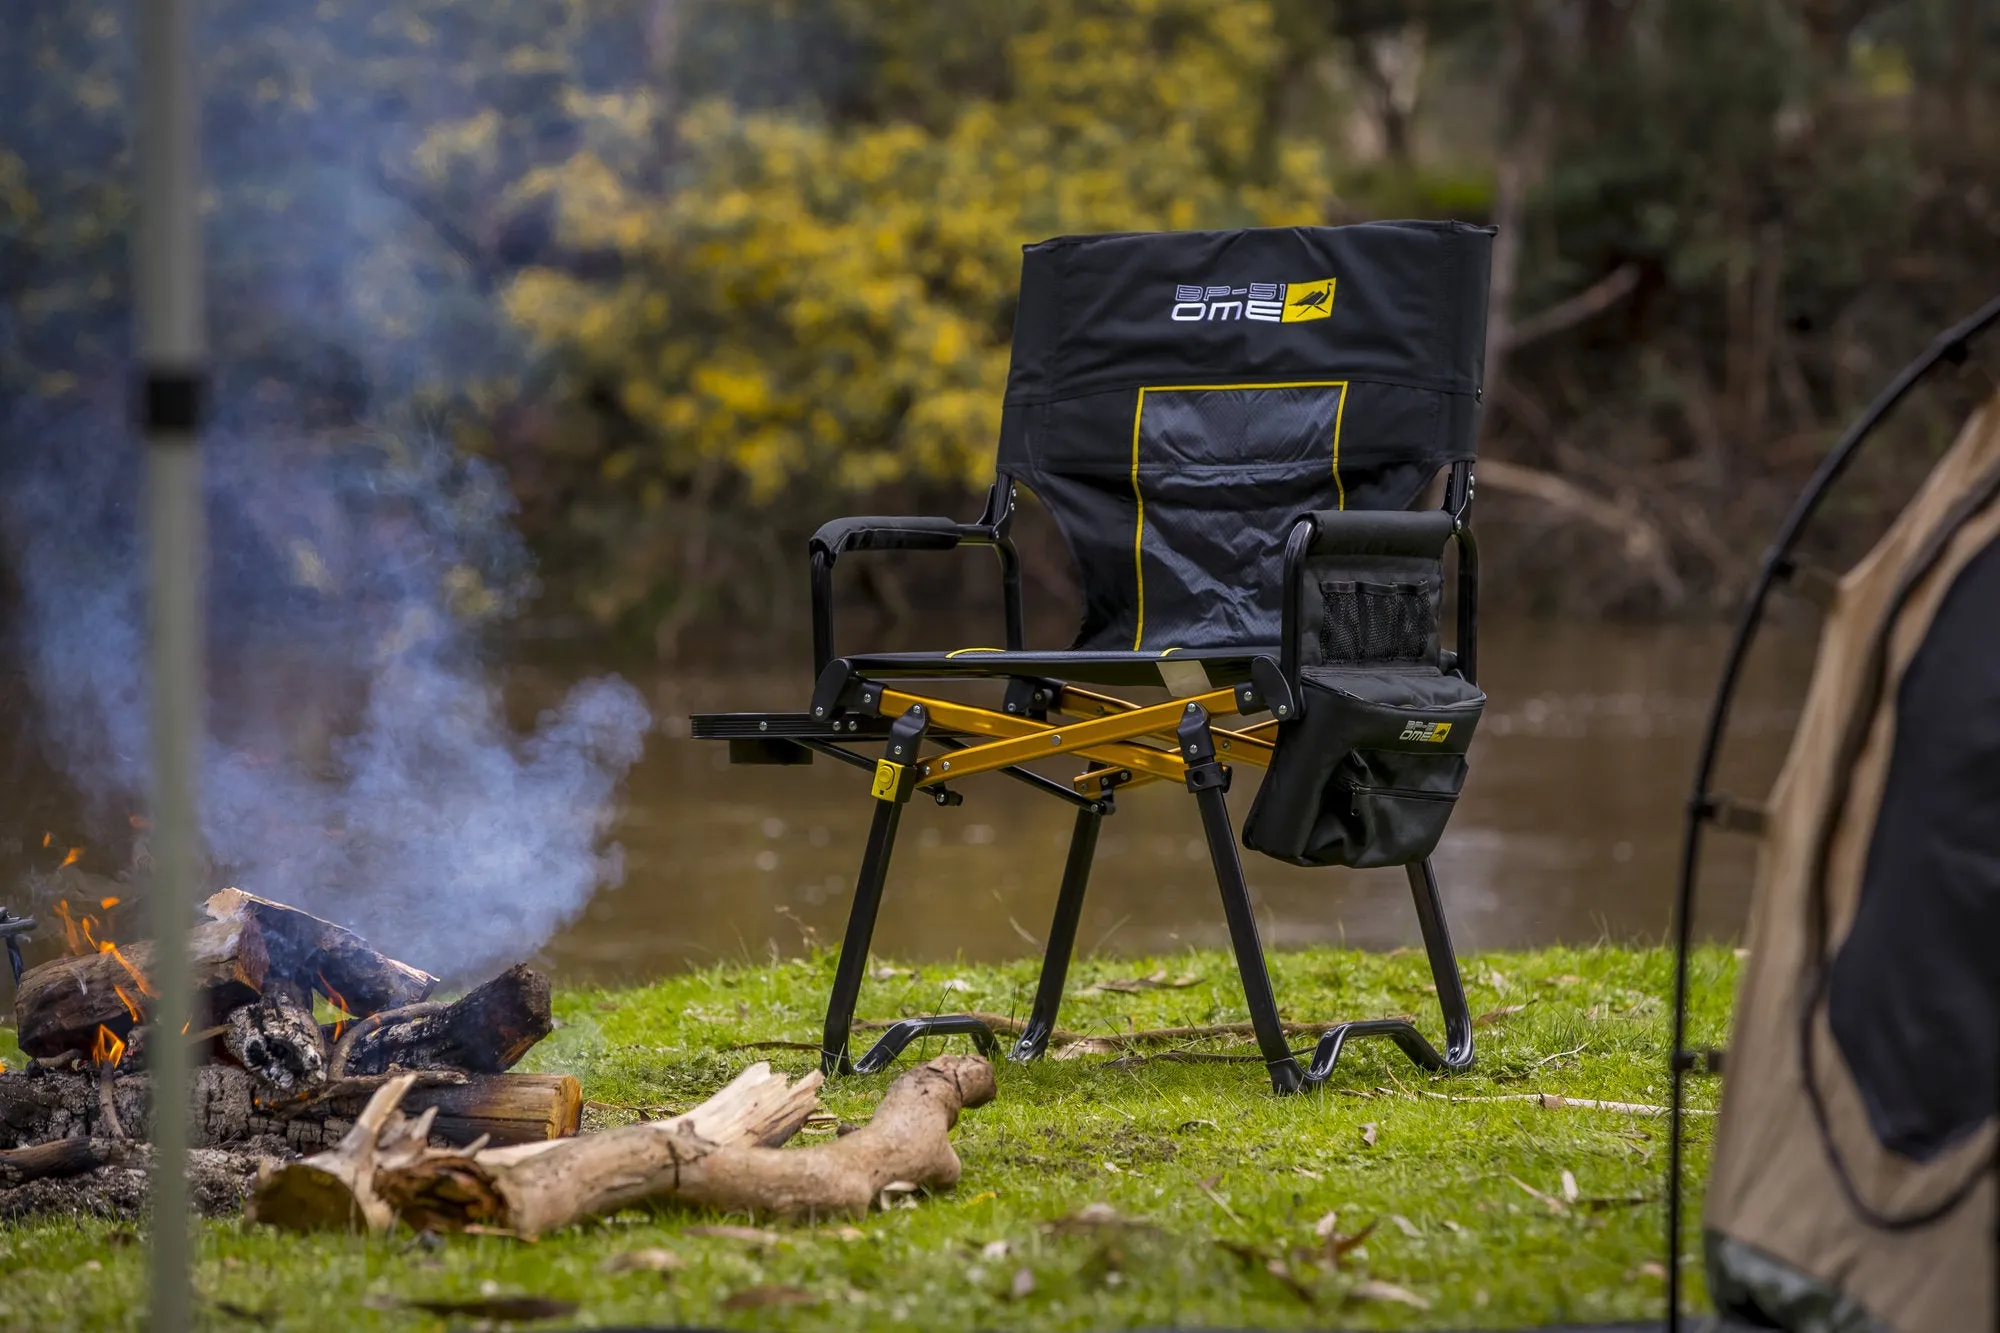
(900, 1034)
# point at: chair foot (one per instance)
(1207, 781)
(900, 1034)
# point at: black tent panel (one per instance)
(1914, 993)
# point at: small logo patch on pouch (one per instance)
(1433, 732)
(888, 776)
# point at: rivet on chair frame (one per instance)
(763, 726)
(1056, 739)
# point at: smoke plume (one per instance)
(359, 762)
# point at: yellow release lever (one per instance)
(888, 778)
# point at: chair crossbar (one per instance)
(1024, 739)
(1240, 747)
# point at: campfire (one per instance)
(272, 1080)
(404, 1103)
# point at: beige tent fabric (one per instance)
(1772, 1186)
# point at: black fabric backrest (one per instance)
(1177, 399)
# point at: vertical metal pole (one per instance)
(168, 296)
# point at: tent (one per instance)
(1853, 1184)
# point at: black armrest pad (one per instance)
(1422, 532)
(891, 532)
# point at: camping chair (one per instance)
(1230, 429)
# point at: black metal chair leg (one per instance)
(1208, 780)
(853, 964)
(1451, 997)
(1062, 938)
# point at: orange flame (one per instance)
(72, 940)
(48, 838)
(138, 977)
(75, 855)
(107, 1049)
(108, 903)
(139, 821)
(126, 1000)
(334, 996)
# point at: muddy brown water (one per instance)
(1569, 829)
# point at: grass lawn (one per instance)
(1223, 1183)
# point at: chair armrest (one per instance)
(894, 532)
(898, 532)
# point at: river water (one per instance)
(1569, 829)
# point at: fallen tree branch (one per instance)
(1639, 538)
(530, 1192)
(1552, 1101)
(1589, 303)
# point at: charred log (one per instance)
(310, 953)
(485, 1032)
(280, 1046)
(226, 1108)
(61, 1158)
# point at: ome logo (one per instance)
(1266, 302)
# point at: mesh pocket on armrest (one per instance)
(1363, 622)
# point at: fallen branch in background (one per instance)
(1640, 539)
(1551, 1101)
(1587, 304)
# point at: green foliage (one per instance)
(1222, 1178)
(831, 299)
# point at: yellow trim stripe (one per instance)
(959, 652)
(1139, 499)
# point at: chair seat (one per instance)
(1223, 666)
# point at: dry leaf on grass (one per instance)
(1652, 1268)
(1338, 1247)
(1023, 1285)
(1570, 1191)
(1555, 1205)
(765, 1297)
(1087, 1046)
(1373, 1290)
(993, 1251)
(1492, 1016)
(1186, 1125)
(1308, 1174)
(501, 1309)
(652, 1260)
(1133, 985)
(1406, 1226)
(1252, 1257)
(1368, 1135)
(742, 1235)
(1091, 1217)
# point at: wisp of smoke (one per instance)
(360, 763)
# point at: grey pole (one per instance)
(172, 350)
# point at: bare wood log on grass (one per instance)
(327, 1190)
(60, 1004)
(335, 1190)
(314, 953)
(539, 1188)
(485, 1031)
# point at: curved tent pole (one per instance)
(1949, 348)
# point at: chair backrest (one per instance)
(1176, 399)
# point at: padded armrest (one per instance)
(892, 532)
(1421, 532)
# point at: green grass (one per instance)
(1220, 1177)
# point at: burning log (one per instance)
(60, 1005)
(312, 952)
(486, 1031)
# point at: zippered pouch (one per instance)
(1368, 773)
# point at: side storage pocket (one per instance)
(1368, 774)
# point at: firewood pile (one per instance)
(271, 1079)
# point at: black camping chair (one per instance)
(1230, 429)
